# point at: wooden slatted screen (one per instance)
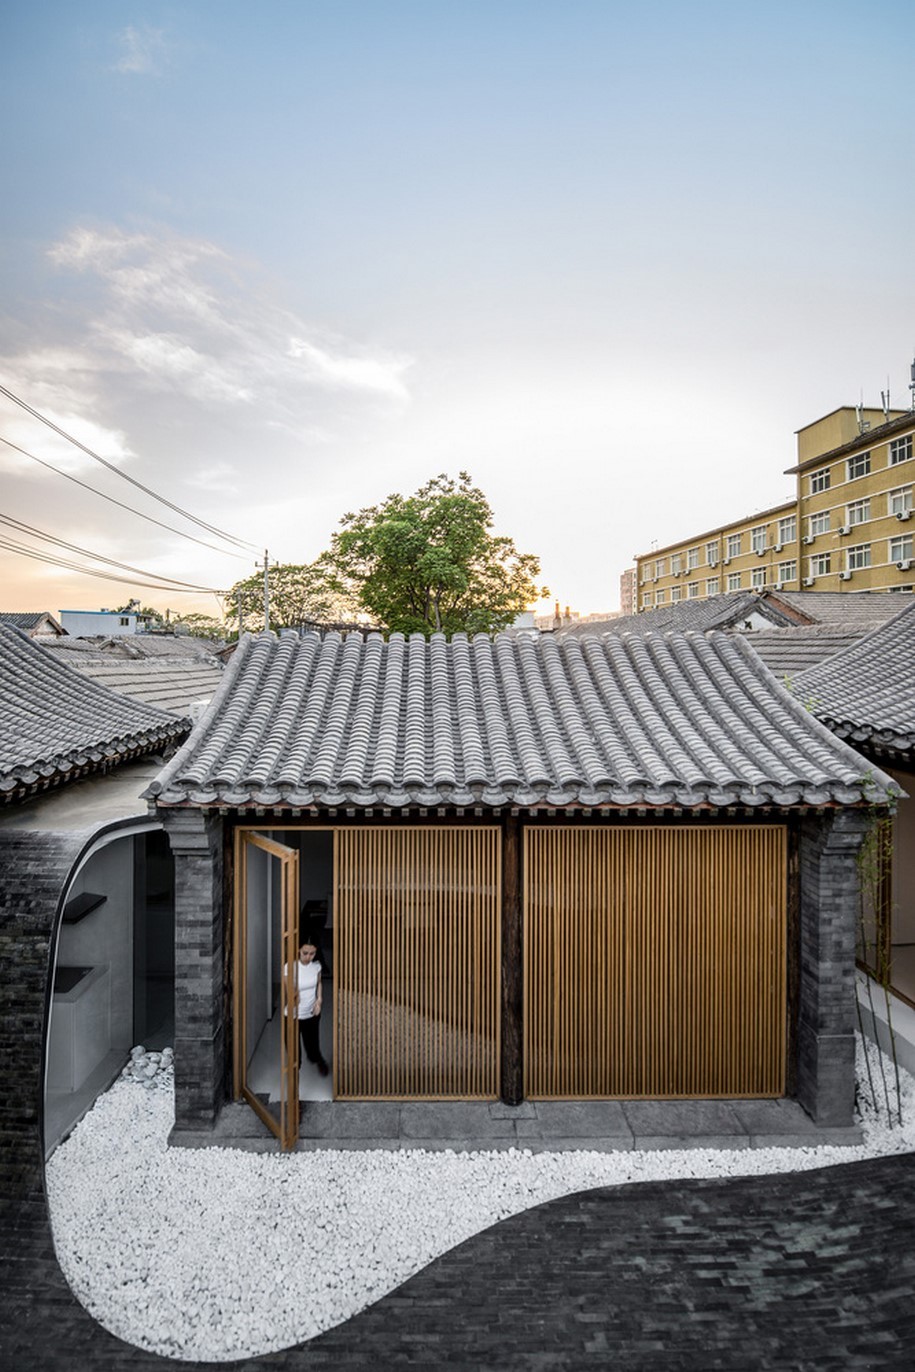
(417, 949)
(654, 961)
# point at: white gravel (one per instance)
(221, 1254)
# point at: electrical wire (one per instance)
(97, 557)
(36, 414)
(87, 571)
(224, 552)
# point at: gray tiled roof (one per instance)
(56, 724)
(29, 620)
(844, 609)
(172, 683)
(526, 720)
(715, 612)
(789, 651)
(867, 693)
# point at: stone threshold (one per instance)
(540, 1126)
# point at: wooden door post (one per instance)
(512, 1084)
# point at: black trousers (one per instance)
(309, 1033)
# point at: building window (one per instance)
(858, 512)
(758, 578)
(857, 557)
(819, 523)
(900, 450)
(733, 581)
(901, 548)
(676, 563)
(787, 571)
(758, 538)
(693, 590)
(820, 481)
(733, 545)
(900, 500)
(660, 597)
(646, 600)
(820, 564)
(859, 465)
(711, 586)
(787, 529)
(711, 554)
(660, 567)
(692, 559)
(675, 593)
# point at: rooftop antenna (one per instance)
(885, 401)
(912, 384)
(863, 424)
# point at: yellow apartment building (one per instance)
(850, 526)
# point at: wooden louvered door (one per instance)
(654, 961)
(417, 962)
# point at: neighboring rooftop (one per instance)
(844, 609)
(172, 673)
(716, 612)
(656, 720)
(789, 651)
(866, 693)
(56, 724)
(32, 622)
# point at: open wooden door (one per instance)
(266, 1040)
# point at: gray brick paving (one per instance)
(812, 1271)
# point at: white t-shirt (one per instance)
(308, 979)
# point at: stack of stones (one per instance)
(149, 1069)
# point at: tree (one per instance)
(430, 562)
(299, 593)
(198, 625)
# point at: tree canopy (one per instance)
(430, 562)
(300, 593)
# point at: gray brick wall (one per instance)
(829, 904)
(200, 1049)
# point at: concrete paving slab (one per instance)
(570, 1118)
(350, 1120)
(452, 1119)
(596, 1143)
(773, 1116)
(664, 1142)
(500, 1111)
(681, 1118)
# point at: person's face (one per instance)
(307, 952)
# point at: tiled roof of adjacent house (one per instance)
(524, 720)
(789, 651)
(173, 680)
(30, 620)
(56, 724)
(867, 692)
(715, 612)
(843, 609)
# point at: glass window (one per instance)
(661, 597)
(660, 567)
(819, 481)
(858, 512)
(676, 563)
(900, 500)
(859, 465)
(711, 554)
(711, 586)
(859, 556)
(819, 523)
(787, 529)
(693, 590)
(733, 545)
(758, 538)
(901, 548)
(692, 559)
(733, 581)
(787, 571)
(900, 450)
(820, 564)
(758, 578)
(646, 599)
(676, 593)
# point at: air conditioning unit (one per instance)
(778, 585)
(844, 529)
(777, 547)
(809, 580)
(905, 566)
(808, 538)
(903, 514)
(846, 576)
(726, 562)
(760, 552)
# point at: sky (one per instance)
(275, 262)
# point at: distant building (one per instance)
(629, 591)
(101, 623)
(33, 623)
(848, 527)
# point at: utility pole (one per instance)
(266, 565)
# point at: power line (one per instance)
(36, 414)
(87, 571)
(224, 552)
(97, 557)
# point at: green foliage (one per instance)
(430, 562)
(198, 625)
(299, 593)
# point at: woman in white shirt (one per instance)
(307, 1003)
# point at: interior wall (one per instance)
(904, 859)
(105, 937)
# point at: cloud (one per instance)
(143, 51)
(356, 373)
